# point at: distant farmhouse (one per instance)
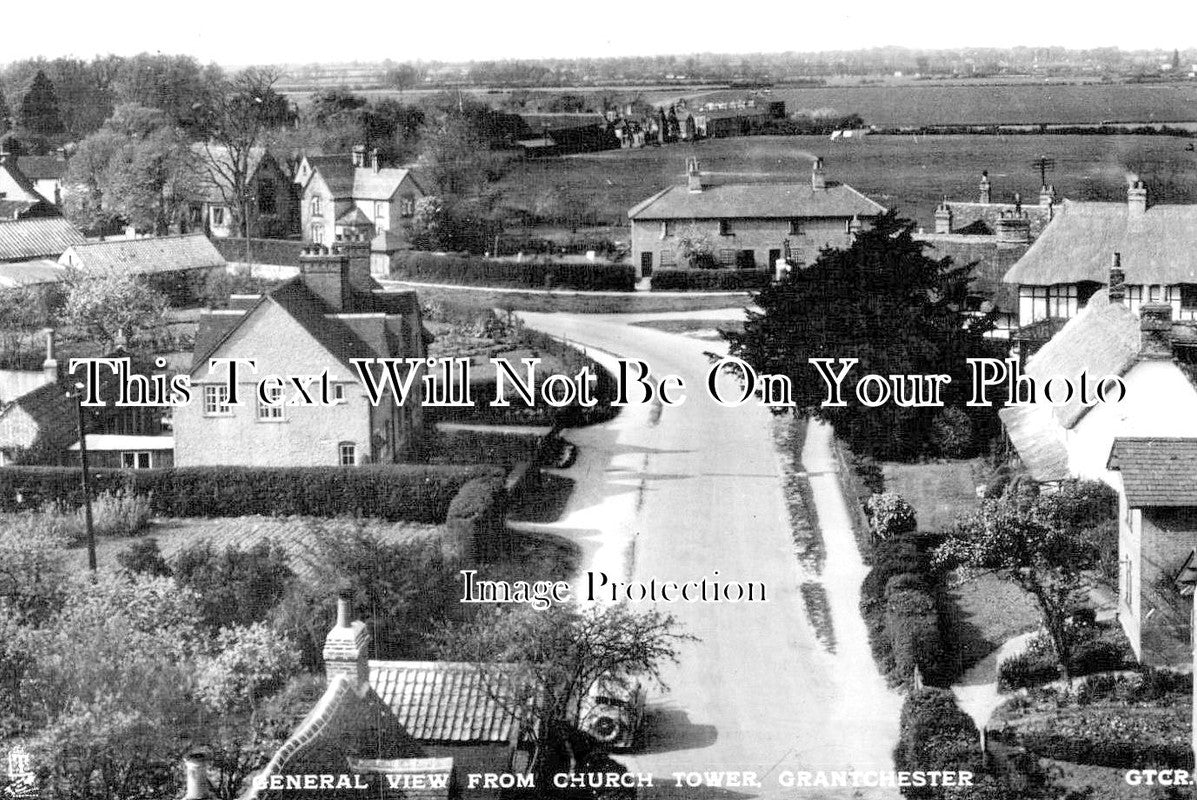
(747, 225)
(355, 199)
(331, 313)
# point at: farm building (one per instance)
(561, 134)
(745, 225)
(33, 239)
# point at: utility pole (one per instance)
(91, 531)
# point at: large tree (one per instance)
(39, 113)
(112, 305)
(883, 301)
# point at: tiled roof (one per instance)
(992, 262)
(149, 255)
(1103, 339)
(982, 218)
(1156, 471)
(380, 185)
(757, 200)
(1157, 247)
(25, 239)
(446, 701)
(42, 167)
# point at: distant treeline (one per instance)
(1038, 130)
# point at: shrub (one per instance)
(891, 557)
(118, 513)
(903, 581)
(720, 280)
(476, 517)
(890, 515)
(952, 433)
(144, 557)
(475, 271)
(1095, 649)
(235, 586)
(247, 664)
(912, 624)
(934, 734)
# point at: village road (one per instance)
(676, 493)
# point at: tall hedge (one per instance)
(912, 623)
(721, 280)
(475, 517)
(474, 271)
(400, 492)
(934, 734)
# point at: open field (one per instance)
(909, 172)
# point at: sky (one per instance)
(237, 32)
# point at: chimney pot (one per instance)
(817, 179)
(1136, 198)
(196, 767)
(343, 612)
(374, 159)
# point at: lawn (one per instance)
(982, 613)
(910, 173)
(939, 492)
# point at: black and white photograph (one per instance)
(551, 401)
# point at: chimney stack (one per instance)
(359, 155)
(326, 274)
(196, 767)
(817, 180)
(1155, 331)
(943, 217)
(855, 226)
(50, 365)
(985, 192)
(693, 176)
(357, 249)
(374, 159)
(1117, 290)
(1136, 198)
(1047, 196)
(1013, 227)
(347, 646)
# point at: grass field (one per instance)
(909, 172)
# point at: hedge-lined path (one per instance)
(697, 488)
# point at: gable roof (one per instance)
(982, 218)
(448, 701)
(1157, 247)
(757, 200)
(344, 180)
(148, 255)
(1103, 339)
(992, 261)
(18, 177)
(44, 237)
(1156, 471)
(211, 179)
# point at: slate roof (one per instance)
(1157, 247)
(1156, 471)
(359, 183)
(1103, 339)
(757, 200)
(25, 239)
(149, 255)
(981, 218)
(992, 262)
(42, 167)
(446, 701)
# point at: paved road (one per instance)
(677, 493)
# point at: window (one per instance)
(347, 454)
(1128, 596)
(380, 215)
(670, 227)
(668, 258)
(727, 258)
(1045, 302)
(1134, 298)
(407, 205)
(1061, 301)
(272, 411)
(216, 401)
(318, 234)
(796, 227)
(135, 459)
(316, 205)
(1153, 293)
(1188, 296)
(338, 391)
(266, 196)
(217, 215)
(725, 227)
(196, 215)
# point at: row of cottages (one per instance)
(356, 199)
(1144, 446)
(750, 225)
(992, 237)
(331, 313)
(273, 207)
(402, 729)
(1070, 260)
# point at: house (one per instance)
(1013, 222)
(312, 325)
(1154, 248)
(47, 174)
(19, 194)
(991, 259)
(748, 225)
(274, 202)
(357, 200)
(1156, 479)
(33, 239)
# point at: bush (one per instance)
(1095, 649)
(890, 515)
(934, 734)
(401, 492)
(118, 513)
(476, 517)
(707, 280)
(952, 433)
(891, 557)
(912, 624)
(144, 557)
(474, 271)
(235, 586)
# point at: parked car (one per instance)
(613, 710)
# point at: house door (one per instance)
(646, 265)
(774, 257)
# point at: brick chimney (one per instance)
(855, 226)
(326, 274)
(1136, 198)
(374, 159)
(985, 192)
(50, 365)
(357, 249)
(1155, 331)
(195, 766)
(817, 180)
(943, 217)
(693, 176)
(347, 646)
(1013, 227)
(1117, 290)
(359, 155)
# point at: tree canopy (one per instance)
(883, 301)
(39, 114)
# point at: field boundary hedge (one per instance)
(398, 492)
(475, 271)
(720, 280)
